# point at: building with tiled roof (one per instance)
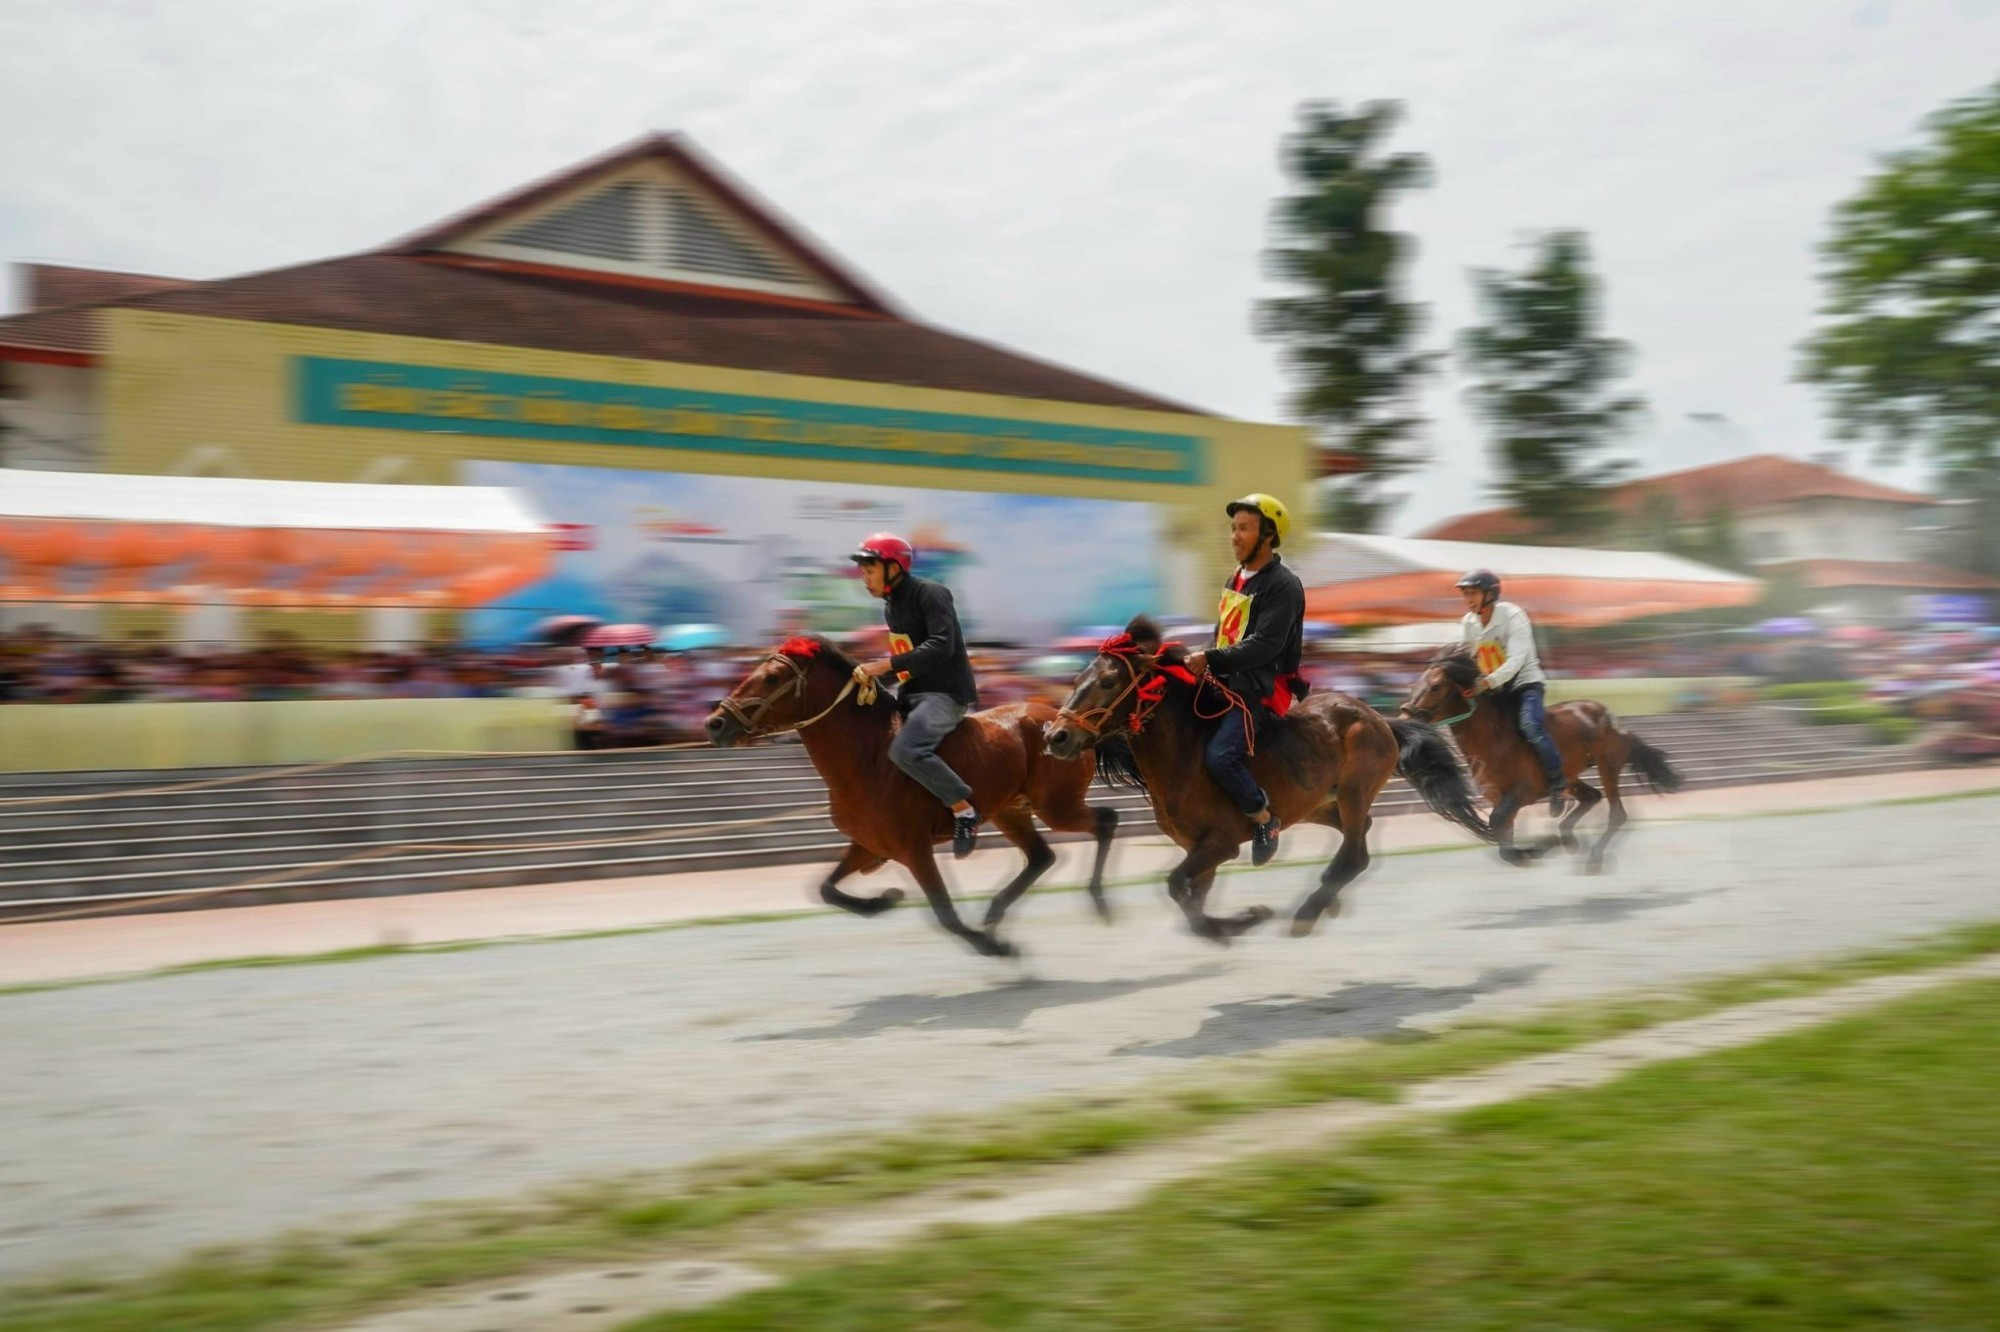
(643, 310)
(1865, 545)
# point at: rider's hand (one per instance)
(1483, 686)
(1198, 662)
(875, 670)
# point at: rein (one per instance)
(1150, 683)
(751, 719)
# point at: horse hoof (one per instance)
(990, 946)
(1252, 917)
(1302, 926)
(890, 897)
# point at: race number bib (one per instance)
(898, 644)
(1232, 617)
(1492, 657)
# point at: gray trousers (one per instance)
(930, 719)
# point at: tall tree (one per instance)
(1910, 356)
(1348, 335)
(1544, 379)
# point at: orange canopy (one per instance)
(108, 538)
(1396, 580)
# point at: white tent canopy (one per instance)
(212, 501)
(1355, 579)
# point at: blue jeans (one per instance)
(1228, 761)
(1533, 717)
(931, 718)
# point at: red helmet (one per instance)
(888, 548)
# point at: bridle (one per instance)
(1147, 679)
(751, 719)
(1471, 706)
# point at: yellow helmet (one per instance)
(1270, 507)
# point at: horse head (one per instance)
(1110, 689)
(776, 696)
(1445, 687)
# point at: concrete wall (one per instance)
(90, 737)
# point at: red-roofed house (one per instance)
(1864, 544)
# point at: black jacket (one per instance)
(1273, 640)
(921, 612)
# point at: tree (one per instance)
(1910, 357)
(1544, 387)
(1347, 334)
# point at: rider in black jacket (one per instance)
(929, 658)
(1259, 643)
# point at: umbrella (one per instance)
(619, 635)
(564, 629)
(690, 637)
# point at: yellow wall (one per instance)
(178, 389)
(78, 737)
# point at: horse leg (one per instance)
(857, 860)
(1594, 864)
(1502, 820)
(1018, 827)
(1354, 821)
(1586, 797)
(1073, 815)
(922, 864)
(1190, 881)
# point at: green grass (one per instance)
(314, 1277)
(1841, 1177)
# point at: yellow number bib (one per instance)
(898, 644)
(1232, 617)
(1491, 657)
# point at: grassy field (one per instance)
(1844, 1177)
(311, 1279)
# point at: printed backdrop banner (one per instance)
(765, 558)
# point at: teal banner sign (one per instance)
(385, 396)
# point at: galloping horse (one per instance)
(1324, 762)
(1506, 767)
(807, 685)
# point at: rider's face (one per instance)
(875, 577)
(1245, 526)
(1474, 598)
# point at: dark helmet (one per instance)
(1483, 579)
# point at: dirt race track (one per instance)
(146, 1117)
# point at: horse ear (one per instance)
(1145, 634)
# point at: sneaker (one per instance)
(964, 834)
(1264, 840)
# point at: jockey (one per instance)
(1259, 641)
(929, 658)
(1503, 642)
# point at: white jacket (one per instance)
(1506, 647)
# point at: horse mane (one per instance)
(819, 650)
(1458, 664)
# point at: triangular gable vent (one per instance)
(653, 227)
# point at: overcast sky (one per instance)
(1086, 180)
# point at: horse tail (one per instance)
(1426, 762)
(1651, 764)
(1117, 765)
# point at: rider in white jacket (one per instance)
(1503, 642)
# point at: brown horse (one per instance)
(807, 685)
(1324, 762)
(1507, 768)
